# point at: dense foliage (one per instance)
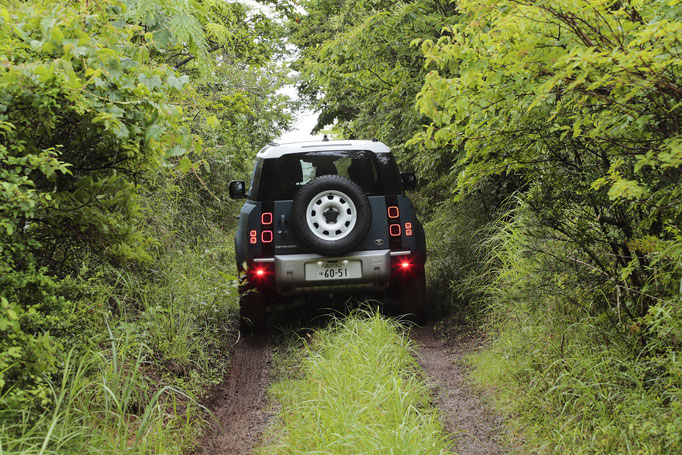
(120, 124)
(583, 100)
(567, 115)
(83, 118)
(546, 135)
(358, 67)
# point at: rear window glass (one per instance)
(281, 178)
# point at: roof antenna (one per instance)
(325, 138)
(375, 139)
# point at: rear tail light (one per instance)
(266, 234)
(395, 228)
(401, 265)
(261, 273)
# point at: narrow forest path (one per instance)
(473, 428)
(239, 403)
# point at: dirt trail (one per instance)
(474, 430)
(239, 402)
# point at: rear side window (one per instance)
(281, 178)
(255, 179)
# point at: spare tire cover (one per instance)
(331, 215)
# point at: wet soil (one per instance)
(239, 403)
(240, 407)
(473, 428)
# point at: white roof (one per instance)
(274, 150)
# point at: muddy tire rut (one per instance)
(240, 407)
(239, 403)
(473, 428)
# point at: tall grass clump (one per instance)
(455, 233)
(103, 404)
(360, 390)
(185, 309)
(575, 375)
(156, 338)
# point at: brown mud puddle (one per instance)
(239, 403)
(473, 429)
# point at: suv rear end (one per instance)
(327, 217)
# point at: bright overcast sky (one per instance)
(304, 123)
(306, 120)
(302, 127)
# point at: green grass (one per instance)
(572, 377)
(102, 405)
(155, 340)
(568, 394)
(357, 389)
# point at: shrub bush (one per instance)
(573, 372)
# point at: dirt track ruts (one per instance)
(473, 429)
(240, 411)
(239, 402)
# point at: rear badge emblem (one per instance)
(379, 242)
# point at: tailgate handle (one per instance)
(282, 225)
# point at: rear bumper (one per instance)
(290, 271)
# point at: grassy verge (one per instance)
(566, 393)
(358, 389)
(151, 342)
(572, 376)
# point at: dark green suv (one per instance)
(328, 217)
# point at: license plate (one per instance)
(333, 270)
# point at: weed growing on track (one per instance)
(358, 390)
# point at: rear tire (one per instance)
(252, 305)
(413, 303)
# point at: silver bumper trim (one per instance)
(290, 269)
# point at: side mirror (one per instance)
(237, 189)
(409, 181)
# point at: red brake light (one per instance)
(402, 265)
(394, 230)
(266, 236)
(266, 218)
(262, 274)
(393, 212)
